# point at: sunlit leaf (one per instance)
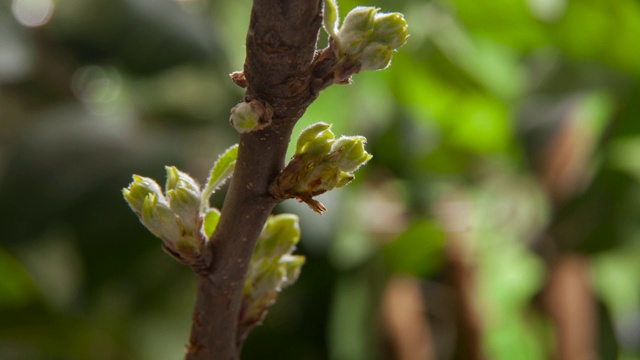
(221, 171)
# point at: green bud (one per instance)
(258, 296)
(315, 139)
(271, 268)
(322, 178)
(250, 116)
(390, 29)
(351, 152)
(269, 280)
(321, 163)
(177, 178)
(244, 118)
(279, 236)
(160, 219)
(330, 176)
(356, 30)
(185, 204)
(138, 190)
(183, 195)
(376, 56)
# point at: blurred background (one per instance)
(498, 219)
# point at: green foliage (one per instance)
(417, 251)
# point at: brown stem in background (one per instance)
(454, 212)
(460, 278)
(405, 315)
(569, 301)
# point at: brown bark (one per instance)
(281, 45)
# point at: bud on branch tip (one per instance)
(369, 37)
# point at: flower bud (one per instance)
(272, 268)
(177, 178)
(160, 219)
(320, 164)
(351, 153)
(315, 139)
(390, 29)
(356, 30)
(368, 37)
(376, 56)
(269, 280)
(279, 236)
(186, 205)
(183, 195)
(249, 116)
(138, 190)
(329, 176)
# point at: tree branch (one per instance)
(281, 44)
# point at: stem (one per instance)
(280, 50)
(245, 211)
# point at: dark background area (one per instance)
(506, 144)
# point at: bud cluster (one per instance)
(369, 37)
(321, 163)
(181, 216)
(272, 267)
(173, 216)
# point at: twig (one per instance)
(281, 45)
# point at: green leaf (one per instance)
(331, 17)
(418, 251)
(221, 171)
(211, 222)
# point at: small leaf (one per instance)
(221, 171)
(331, 17)
(211, 222)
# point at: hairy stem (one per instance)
(280, 50)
